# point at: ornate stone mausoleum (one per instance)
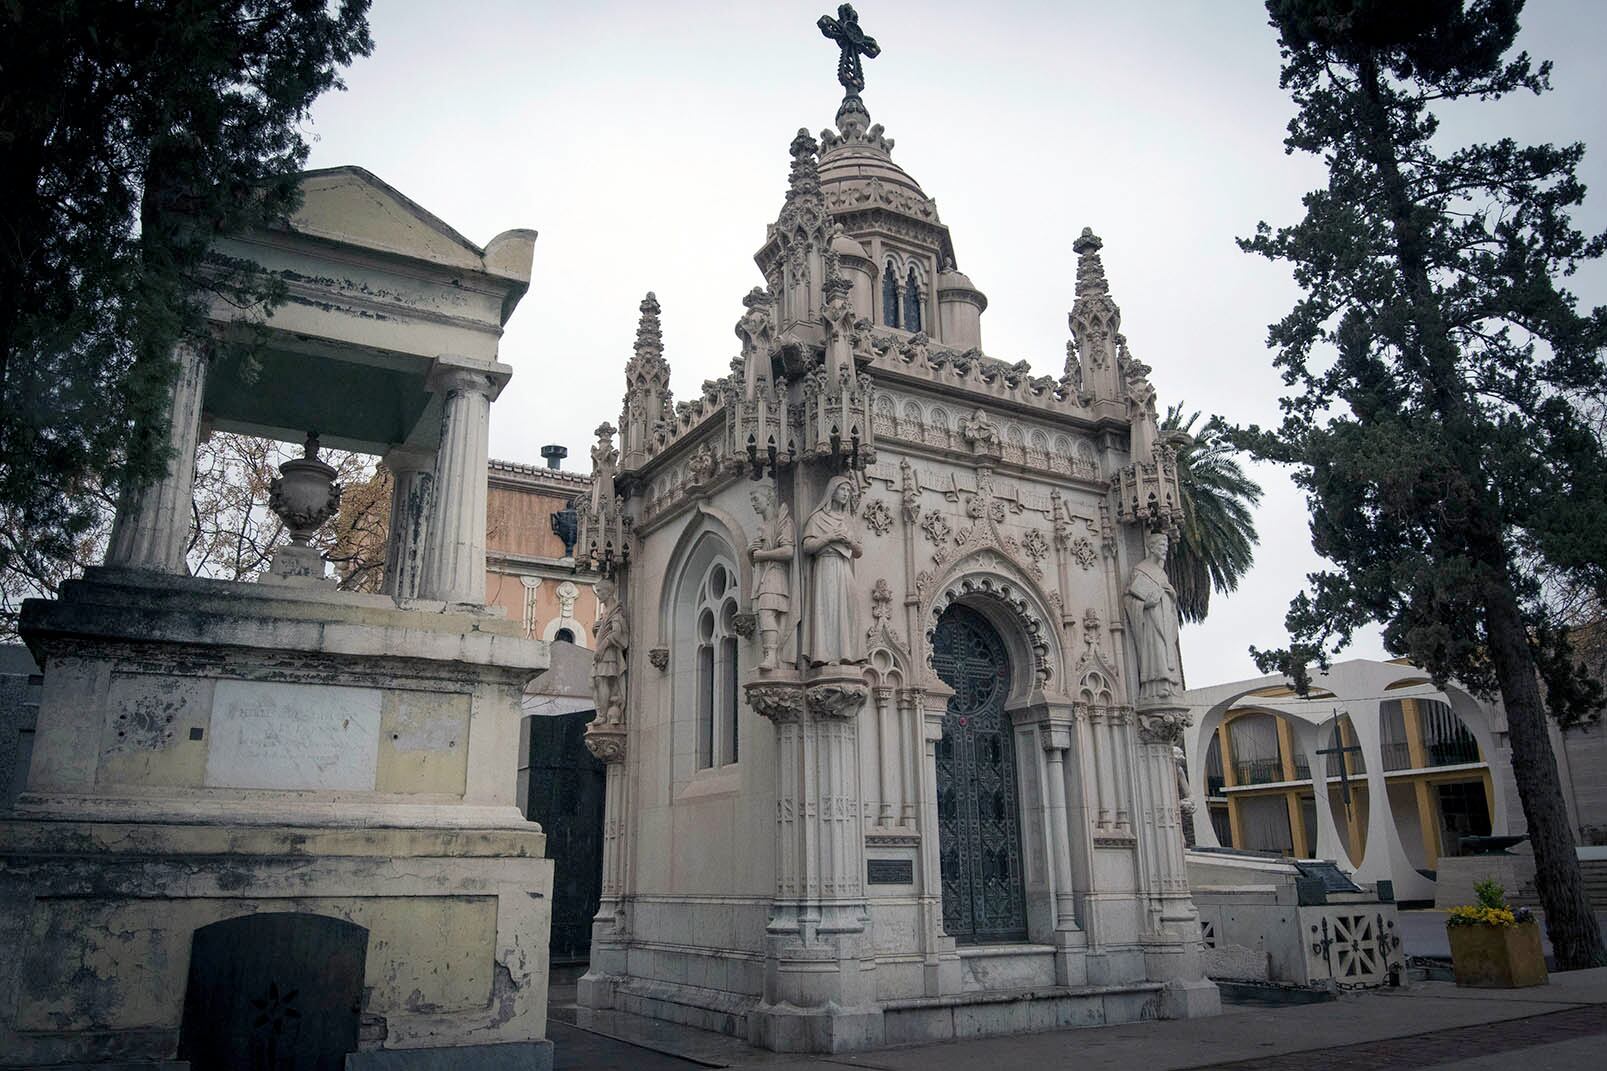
(888, 681)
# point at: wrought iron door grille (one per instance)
(979, 822)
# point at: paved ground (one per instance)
(1559, 1026)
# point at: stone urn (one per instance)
(305, 494)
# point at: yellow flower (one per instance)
(1478, 915)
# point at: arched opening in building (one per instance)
(979, 819)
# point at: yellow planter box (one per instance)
(1497, 957)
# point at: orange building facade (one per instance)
(528, 572)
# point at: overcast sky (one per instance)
(647, 143)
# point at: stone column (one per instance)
(1056, 741)
(454, 541)
(886, 720)
(152, 527)
(412, 474)
(909, 754)
(1121, 753)
(819, 988)
(595, 989)
(1159, 732)
(1103, 771)
(940, 967)
(1071, 941)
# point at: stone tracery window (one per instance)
(890, 295)
(912, 301)
(715, 667)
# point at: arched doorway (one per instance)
(277, 991)
(979, 820)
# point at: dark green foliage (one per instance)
(131, 135)
(1444, 381)
(1216, 546)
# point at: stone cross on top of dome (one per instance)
(844, 29)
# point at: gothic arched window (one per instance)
(890, 295)
(715, 667)
(912, 301)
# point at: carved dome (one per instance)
(951, 278)
(844, 246)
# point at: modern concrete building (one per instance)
(1403, 771)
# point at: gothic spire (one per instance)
(1095, 321)
(648, 401)
(649, 336)
(804, 179)
(1090, 269)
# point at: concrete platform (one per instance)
(1559, 1026)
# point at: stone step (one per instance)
(1594, 872)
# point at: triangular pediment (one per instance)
(355, 207)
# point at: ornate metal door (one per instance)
(979, 822)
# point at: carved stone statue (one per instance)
(1153, 622)
(771, 553)
(608, 659)
(756, 330)
(1141, 409)
(838, 312)
(1185, 800)
(978, 430)
(604, 458)
(831, 539)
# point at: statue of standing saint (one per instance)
(1153, 622)
(831, 538)
(771, 554)
(608, 660)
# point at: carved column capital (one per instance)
(780, 701)
(607, 743)
(835, 699)
(1162, 725)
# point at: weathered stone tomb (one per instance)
(271, 824)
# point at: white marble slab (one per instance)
(293, 736)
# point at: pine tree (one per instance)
(1442, 380)
(132, 134)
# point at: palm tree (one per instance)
(1218, 537)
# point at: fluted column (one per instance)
(454, 540)
(412, 475)
(152, 527)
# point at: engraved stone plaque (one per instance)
(890, 871)
(293, 736)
